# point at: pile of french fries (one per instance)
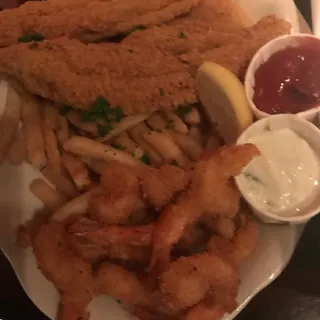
(68, 150)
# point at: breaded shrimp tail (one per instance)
(210, 191)
(137, 80)
(86, 20)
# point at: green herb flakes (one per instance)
(117, 146)
(161, 92)
(182, 111)
(65, 110)
(145, 159)
(138, 27)
(130, 50)
(31, 37)
(182, 35)
(101, 110)
(103, 130)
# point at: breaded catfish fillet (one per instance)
(67, 71)
(86, 20)
(236, 55)
(183, 35)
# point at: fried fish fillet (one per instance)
(183, 35)
(86, 20)
(226, 13)
(236, 55)
(67, 71)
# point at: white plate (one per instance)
(17, 205)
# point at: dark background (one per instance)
(295, 295)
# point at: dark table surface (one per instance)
(295, 295)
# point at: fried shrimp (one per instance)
(125, 235)
(114, 280)
(70, 274)
(189, 279)
(240, 248)
(210, 191)
(204, 311)
(117, 196)
(159, 186)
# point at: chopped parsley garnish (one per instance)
(117, 146)
(182, 111)
(65, 110)
(180, 51)
(145, 159)
(101, 109)
(161, 92)
(103, 130)
(182, 35)
(130, 50)
(33, 45)
(31, 37)
(169, 125)
(175, 163)
(138, 27)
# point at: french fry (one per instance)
(188, 145)
(50, 197)
(123, 141)
(33, 135)
(165, 146)
(63, 131)
(196, 134)
(193, 117)
(61, 182)
(157, 122)
(85, 147)
(77, 206)
(51, 115)
(213, 142)
(77, 170)
(10, 122)
(135, 134)
(75, 118)
(125, 124)
(52, 147)
(17, 152)
(97, 166)
(176, 123)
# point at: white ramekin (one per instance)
(262, 55)
(311, 134)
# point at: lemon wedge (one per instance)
(224, 100)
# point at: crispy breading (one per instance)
(73, 73)
(159, 186)
(225, 13)
(86, 20)
(117, 196)
(182, 35)
(210, 191)
(115, 281)
(236, 55)
(70, 274)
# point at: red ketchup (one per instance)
(289, 81)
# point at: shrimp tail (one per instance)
(160, 260)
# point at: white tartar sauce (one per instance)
(284, 176)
